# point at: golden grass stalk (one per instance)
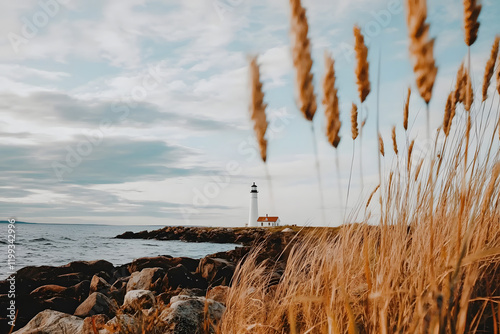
(460, 85)
(406, 110)
(381, 145)
(331, 103)
(490, 189)
(302, 61)
(410, 152)
(421, 48)
(394, 141)
(362, 65)
(472, 9)
(371, 196)
(490, 67)
(354, 121)
(258, 108)
(448, 115)
(469, 93)
(419, 167)
(498, 76)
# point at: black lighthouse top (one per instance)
(254, 188)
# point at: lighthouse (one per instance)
(254, 207)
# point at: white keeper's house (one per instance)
(268, 221)
(253, 218)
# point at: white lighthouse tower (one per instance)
(254, 207)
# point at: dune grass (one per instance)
(431, 264)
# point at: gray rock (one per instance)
(119, 323)
(216, 271)
(146, 279)
(99, 284)
(51, 322)
(96, 303)
(186, 315)
(139, 299)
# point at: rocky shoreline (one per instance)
(243, 236)
(176, 292)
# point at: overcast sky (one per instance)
(136, 111)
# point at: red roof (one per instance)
(268, 219)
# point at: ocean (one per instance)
(59, 244)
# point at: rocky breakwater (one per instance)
(243, 236)
(173, 294)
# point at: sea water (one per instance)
(59, 244)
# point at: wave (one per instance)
(39, 240)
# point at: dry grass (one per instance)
(331, 103)
(258, 108)
(362, 65)
(490, 67)
(390, 278)
(421, 48)
(406, 110)
(394, 140)
(381, 145)
(432, 265)
(302, 60)
(472, 9)
(354, 122)
(448, 115)
(469, 93)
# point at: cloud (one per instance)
(47, 109)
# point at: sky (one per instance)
(136, 111)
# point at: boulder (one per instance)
(164, 262)
(61, 304)
(70, 279)
(118, 289)
(119, 323)
(139, 299)
(146, 279)
(47, 291)
(194, 292)
(181, 277)
(99, 284)
(216, 271)
(48, 274)
(50, 321)
(121, 271)
(164, 297)
(190, 264)
(121, 283)
(79, 291)
(90, 268)
(96, 303)
(188, 315)
(219, 294)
